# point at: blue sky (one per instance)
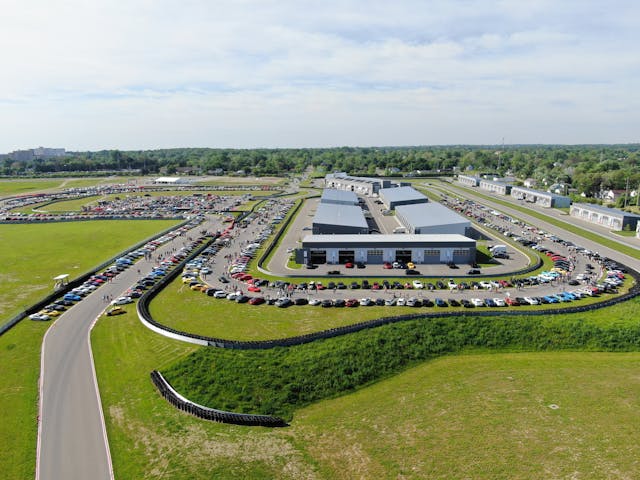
(142, 74)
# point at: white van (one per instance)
(498, 251)
(400, 230)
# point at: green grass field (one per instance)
(480, 416)
(35, 253)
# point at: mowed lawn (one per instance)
(33, 254)
(479, 416)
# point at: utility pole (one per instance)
(626, 194)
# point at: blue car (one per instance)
(72, 297)
(550, 299)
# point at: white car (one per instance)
(499, 302)
(485, 284)
(122, 301)
(452, 285)
(365, 302)
(418, 284)
(531, 301)
(233, 295)
(314, 301)
(477, 302)
(39, 316)
(390, 302)
(401, 302)
(220, 294)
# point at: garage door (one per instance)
(318, 256)
(345, 256)
(374, 257)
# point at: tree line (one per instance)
(584, 168)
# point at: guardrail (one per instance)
(181, 403)
(80, 280)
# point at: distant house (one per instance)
(530, 182)
(612, 195)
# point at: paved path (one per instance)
(72, 441)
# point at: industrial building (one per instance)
(339, 197)
(493, 186)
(544, 199)
(333, 218)
(432, 218)
(376, 249)
(393, 197)
(359, 185)
(611, 218)
(469, 180)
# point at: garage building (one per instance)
(376, 249)
(493, 186)
(469, 180)
(393, 197)
(339, 197)
(544, 199)
(360, 185)
(333, 218)
(432, 218)
(608, 217)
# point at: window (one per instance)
(374, 252)
(432, 252)
(457, 252)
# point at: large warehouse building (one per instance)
(544, 199)
(432, 218)
(340, 197)
(393, 197)
(334, 218)
(376, 249)
(360, 185)
(608, 217)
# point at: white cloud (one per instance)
(116, 73)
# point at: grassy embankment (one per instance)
(478, 416)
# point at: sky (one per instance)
(145, 74)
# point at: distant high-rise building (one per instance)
(33, 153)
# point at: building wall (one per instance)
(495, 187)
(544, 199)
(468, 180)
(419, 255)
(327, 228)
(612, 220)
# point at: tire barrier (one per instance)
(181, 403)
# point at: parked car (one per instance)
(116, 311)
(122, 301)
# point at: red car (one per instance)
(348, 265)
(256, 301)
(254, 289)
(352, 302)
(387, 265)
(375, 286)
(511, 302)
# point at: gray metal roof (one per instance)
(538, 193)
(609, 211)
(336, 214)
(331, 195)
(429, 215)
(399, 194)
(390, 239)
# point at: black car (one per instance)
(440, 284)
(223, 279)
(365, 284)
(333, 272)
(354, 285)
(411, 271)
(338, 302)
(340, 286)
(473, 271)
(453, 302)
(331, 285)
(242, 299)
(427, 303)
(326, 303)
(379, 302)
(301, 301)
(466, 303)
(360, 265)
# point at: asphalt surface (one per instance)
(72, 441)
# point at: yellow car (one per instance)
(51, 313)
(411, 265)
(198, 287)
(116, 311)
